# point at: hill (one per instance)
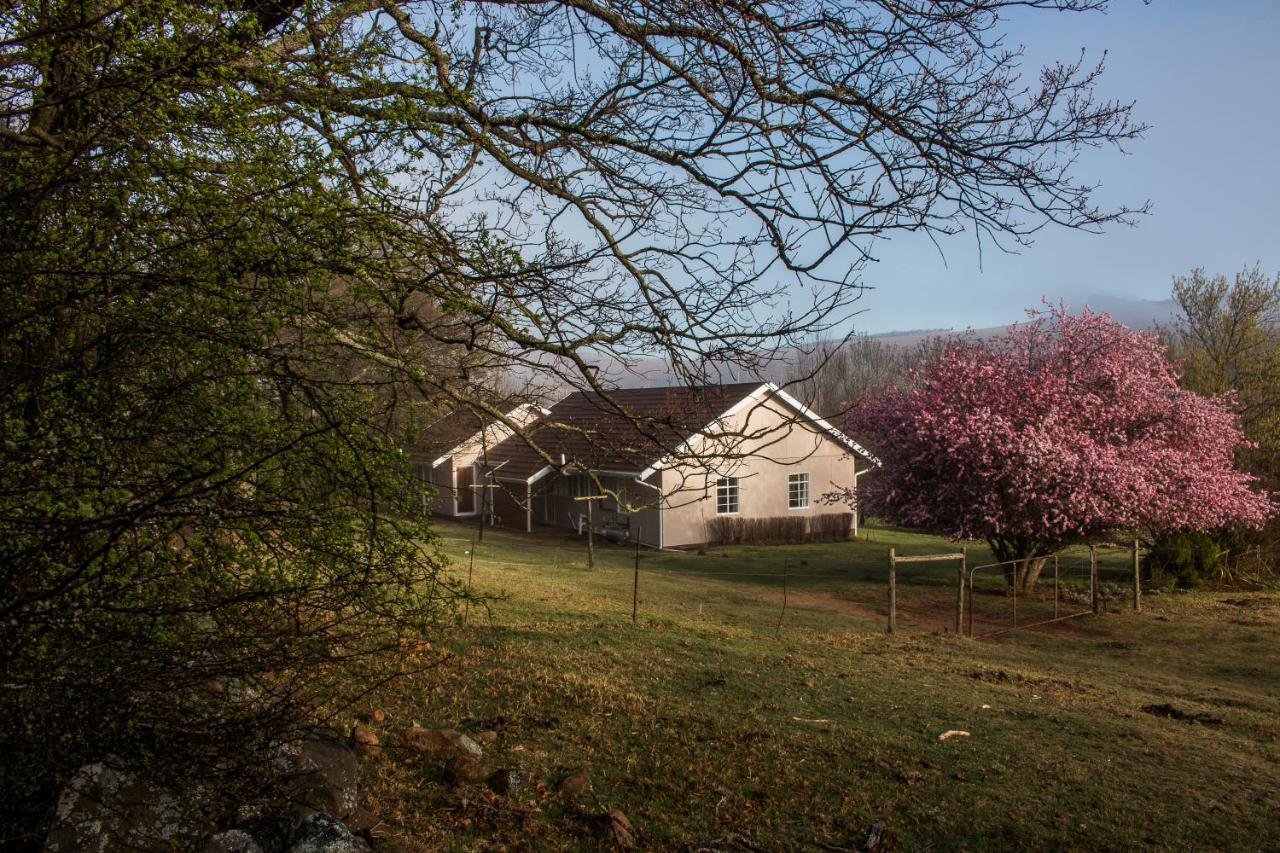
(718, 721)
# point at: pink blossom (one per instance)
(1060, 430)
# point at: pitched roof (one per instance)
(448, 433)
(630, 429)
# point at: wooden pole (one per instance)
(1016, 580)
(591, 543)
(970, 605)
(960, 592)
(893, 591)
(1137, 580)
(466, 611)
(1094, 597)
(783, 615)
(1055, 586)
(635, 581)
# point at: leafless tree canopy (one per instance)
(238, 240)
(699, 181)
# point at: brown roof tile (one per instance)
(628, 430)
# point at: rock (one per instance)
(440, 743)
(574, 782)
(462, 769)
(323, 776)
(104, 807)
(270, 832)
(321, 833)
(874, 836)
(378, 715)
(487, 737)
(365, 823)
(508, 781)
(614, 828)
(233, 841)
(364, 742)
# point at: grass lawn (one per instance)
(705, 720)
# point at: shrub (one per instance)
(831, 526)
(779, 530)
(1186, 559)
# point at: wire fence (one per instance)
(773, 590)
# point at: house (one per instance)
(661, 465)
(454, 448)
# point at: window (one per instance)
(580, 486)
(798, 491)
(727, 496)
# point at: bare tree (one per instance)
(238, 239)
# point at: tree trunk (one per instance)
(1030, 573)
(1025, 573)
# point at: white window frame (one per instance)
(794, 482)
(728, 494)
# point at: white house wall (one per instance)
(775, 442)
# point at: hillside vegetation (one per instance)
(710, 726)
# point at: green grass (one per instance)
(705, 718)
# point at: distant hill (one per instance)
(1144, 314)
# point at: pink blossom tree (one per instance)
(1061, 430)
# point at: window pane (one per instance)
(726, 495)
(798, 491)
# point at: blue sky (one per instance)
(1206, 77)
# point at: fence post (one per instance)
(466, 607)
(783, 615)
(1055, 586)
(1015, 589)
(1094, 596)
(893, 593)
(635, 580)
(591, 543)
(971, 604)
(1137, 580)
(960, 593)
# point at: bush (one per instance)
(831, 526)
(1186, 559)
(779, 530)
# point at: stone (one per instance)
(508, 781)
(104, 807)
(574, 782)
(232, 841)
(378, 715)
(463, 769)
(440, 743)
(271, 832)
(487, 737)
(322, 833)
(322, 776)
(364, 742)
(614, 828)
